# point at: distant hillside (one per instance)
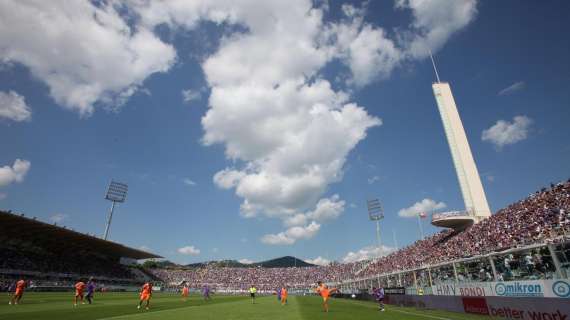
(283, 262)
(221, 263)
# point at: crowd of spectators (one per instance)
(542, 217)
(63, 264)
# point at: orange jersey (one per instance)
(80, 286)
(20, 285)
(185, 291)
(284, 293)
(147, 288)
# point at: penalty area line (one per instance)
(144, 312)
(420, 315)
(392, 308)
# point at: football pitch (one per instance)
(171, 307)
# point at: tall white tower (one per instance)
(467, 174)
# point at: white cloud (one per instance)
(299, 219)
(189, 182)
(189, 95)
(291, 235)
(434, 22)
(504, 132)
(367, 253)
(14, 107)
(245, 261)
(58, 217)
(85, 53)
(517, 86)
(365, 49)
(16, 173)
(320, 261)
(426, 205)
(327, 209)
(215, 250)
(261, 84)
(189, 250)
(373, 179)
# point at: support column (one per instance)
(492, 262)
(455, 272)
(556, 261)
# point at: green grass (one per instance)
(171, 307)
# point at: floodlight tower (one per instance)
(117, 192)
(376, 213)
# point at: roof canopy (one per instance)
(50, 237)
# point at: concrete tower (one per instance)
(467, 173)
(476, 206)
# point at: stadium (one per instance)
(280, 85)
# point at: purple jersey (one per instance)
(379, 294)
(90, 287)
(206, 291)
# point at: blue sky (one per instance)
(250, 131)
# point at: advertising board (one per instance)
(559, 288)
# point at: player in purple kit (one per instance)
(206, 292)
(378, 294)
(90, 290)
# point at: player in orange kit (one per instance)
(79, 287)
(146, 294)
(185, 292)
(20, 286)
(284, 295)
(325, 292)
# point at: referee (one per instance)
(252, 292)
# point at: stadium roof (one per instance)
(52, 237)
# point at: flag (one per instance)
(423, 215)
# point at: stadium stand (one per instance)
(541, 218)
(50, 254)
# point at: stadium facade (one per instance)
(476, 206)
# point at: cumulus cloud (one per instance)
(86, 53)
(58, 217)
(434, 22)
(517, 86)
(14, 107)
(505, 133)
(426, 205)
(245, 261)
(292, 234)
(320, 261)
(367, 253)
(15, 173)
(189, 251)
(189, 95)
(365, 49)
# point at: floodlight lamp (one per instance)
(375, 210)
(117, 192)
